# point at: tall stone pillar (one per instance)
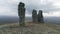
(40, 17)
(34, 15)
(21, 13)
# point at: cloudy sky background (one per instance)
(49, 7)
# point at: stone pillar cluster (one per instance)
(35, 17)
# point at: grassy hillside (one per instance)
(30, 28)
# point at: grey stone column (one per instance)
(34, 15)
(21, 13)
(40, 17)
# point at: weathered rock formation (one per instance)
(40, 17)
(34, 15)
(21, 13)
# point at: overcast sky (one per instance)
(49, 7)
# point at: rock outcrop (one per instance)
(21, 13)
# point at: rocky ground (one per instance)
(30, 28)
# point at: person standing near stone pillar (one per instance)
(21, 13)
(34, 15)
(40, 17)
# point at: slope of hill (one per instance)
(30, 28)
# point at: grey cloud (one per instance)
(45, 7)
(48, 7)
(30, 5)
